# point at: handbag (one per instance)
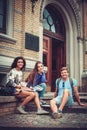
(8, 89)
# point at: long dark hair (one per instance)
(32, 75)
(14, 64)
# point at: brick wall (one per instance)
(24, 21)
(8, 104)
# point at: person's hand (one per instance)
(18, 87)
(28, 89)
(31, 88)
(82, 104)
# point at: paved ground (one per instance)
(33, 121)
(73, 118)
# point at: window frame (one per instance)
(8, 35)
(3, 14)
(8, 17)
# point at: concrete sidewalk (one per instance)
(33, 121)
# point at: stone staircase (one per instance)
(74, 109)
(8, 104)
(83, 96)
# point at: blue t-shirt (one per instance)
(66, 84)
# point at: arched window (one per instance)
(52, 20)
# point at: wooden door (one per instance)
(47, 57)
(58, 60)
(53, 58)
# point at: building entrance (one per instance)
(54, 45)
(53, 58)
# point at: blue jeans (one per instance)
(41, 93)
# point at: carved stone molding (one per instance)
(41, 9)
(75, 4)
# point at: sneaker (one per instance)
(41, 112)
(45, 105)
(56, 115)
(38, 88)
(42, 102)
(59, 111)
(21, 110)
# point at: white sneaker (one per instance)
(21, 110)
(41, 112)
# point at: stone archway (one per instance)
(73, 31)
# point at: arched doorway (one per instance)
(54, 44)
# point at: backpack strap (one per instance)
(71, 82)
(58, 81)
(70, 79)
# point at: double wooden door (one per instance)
(54, 58)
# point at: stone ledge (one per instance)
(8, 104)
(7, 99)
(6, 38)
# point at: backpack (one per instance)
(71, 83)
(8, 89)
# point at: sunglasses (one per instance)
(63, 85)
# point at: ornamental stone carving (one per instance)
(74, 4)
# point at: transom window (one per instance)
(52, 20)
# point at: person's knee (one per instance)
(32, 94)
(36, 94)
(52, 102)
(66, 91)
(43, 85)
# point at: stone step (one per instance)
(31, 107)
(76, 109)
(48, 96)
(8, 104)
(83, 93)
(83, 98)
